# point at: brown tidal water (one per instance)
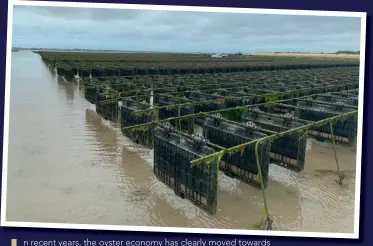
(68, 165)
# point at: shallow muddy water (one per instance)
(67, 165)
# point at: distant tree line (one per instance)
(348, 52)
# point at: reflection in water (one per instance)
(83, 170)
(70, 90)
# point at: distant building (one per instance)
(218, 55)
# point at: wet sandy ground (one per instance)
(67, 165)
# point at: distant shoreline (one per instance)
(307, 54)
(105, 51)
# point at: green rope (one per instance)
(340, 176)
(270, 98)
(218, 159)
(156, 113)
(220, 155)
(276, 136)
(268, 222)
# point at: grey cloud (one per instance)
(73, 14)
(187, 29)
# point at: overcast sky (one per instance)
(144, 30)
